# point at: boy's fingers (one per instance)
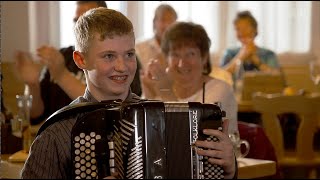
(225, 126)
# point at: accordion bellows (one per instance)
(145, 140)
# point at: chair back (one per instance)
(295, 67)
(305, 107)
(261, 82)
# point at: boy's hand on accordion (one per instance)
(219, 152)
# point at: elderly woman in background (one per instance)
(249, 55)
(185, 79)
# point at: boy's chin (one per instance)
(120, 91)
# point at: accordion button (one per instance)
(98, 137)
(88, 164)
(111, 145)
(77, 151)
(93, 161)
(77, 165)
(77, 138)
(93, 154)
(82, 141)
(77, 158)
(77, 171)
(83, 175)
(88, 158)
(83, 168)
(92, 134)
(93, 174)
(82, 135)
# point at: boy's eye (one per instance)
(108, 56)
(131, 54)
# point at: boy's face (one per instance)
(111, 66)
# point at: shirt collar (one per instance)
(88, 96)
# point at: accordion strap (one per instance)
(77, 109)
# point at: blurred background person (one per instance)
(61, 81)
(150, 49)
(186, 49)
(5, 115)
(249, 55)
(9, 143)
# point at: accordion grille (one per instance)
(132, 153)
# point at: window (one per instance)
(67, 12)
(282, 26)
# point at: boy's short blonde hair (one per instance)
(102, 21)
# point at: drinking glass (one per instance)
(237, 144)
(314, 67)
(22, 119)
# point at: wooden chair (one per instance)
(295, 67)
(261, 82)
(307, 109)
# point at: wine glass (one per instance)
(24, 104)
(315, 71)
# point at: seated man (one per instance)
(150, 49)
(105, 51)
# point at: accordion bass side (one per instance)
(149, 140)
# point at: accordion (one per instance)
(145, 140)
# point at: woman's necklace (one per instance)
(182, 92)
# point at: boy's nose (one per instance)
(120, 65)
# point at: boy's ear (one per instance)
(78, 58)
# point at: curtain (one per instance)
(282, 25)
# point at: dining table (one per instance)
(248, 168)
